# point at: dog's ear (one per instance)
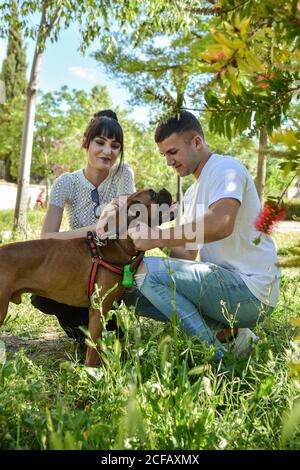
(164, 197)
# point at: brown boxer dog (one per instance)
(60, 270)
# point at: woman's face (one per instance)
(103, 152)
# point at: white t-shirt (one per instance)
(73, 191)
(224, 177)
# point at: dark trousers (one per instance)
(70, 318)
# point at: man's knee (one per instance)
(143, 307)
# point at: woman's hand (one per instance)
(108, 217)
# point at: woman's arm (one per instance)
(52, 223)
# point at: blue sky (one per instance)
(64, 65)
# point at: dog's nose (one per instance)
(164, 197)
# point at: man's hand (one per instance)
(144, 237)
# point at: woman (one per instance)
(84, 193)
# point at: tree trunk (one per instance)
(45, 27)
(27, 141)
(260, 181)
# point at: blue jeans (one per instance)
(204, 296)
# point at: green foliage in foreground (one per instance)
(157, 389)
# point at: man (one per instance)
(236, 283)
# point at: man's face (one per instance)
(182, 152)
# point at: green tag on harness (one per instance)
(127, 280)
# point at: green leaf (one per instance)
(228, 128)
(253, 61)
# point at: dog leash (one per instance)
(126, 271)
(96, 261)
(130, 270)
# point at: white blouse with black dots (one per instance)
(73, 192)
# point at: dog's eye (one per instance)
(133, 212)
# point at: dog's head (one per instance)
(150, 207)
(146, 206)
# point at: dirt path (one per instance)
(49, 344)
(288, 226)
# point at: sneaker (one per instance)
(243, 342)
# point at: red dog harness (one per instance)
(97, 260)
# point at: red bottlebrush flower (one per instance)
(216, 57)
(263, 85)
(260, 78)
(268, 216)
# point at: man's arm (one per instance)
(182, 253)
(217, 223)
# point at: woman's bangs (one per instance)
(110, 129)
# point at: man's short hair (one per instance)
(178, 124)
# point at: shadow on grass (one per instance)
(50, 346)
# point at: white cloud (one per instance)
(84, 73)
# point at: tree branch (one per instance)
(223, 110)
(54, 21)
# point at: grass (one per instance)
(284, 240)
(157, 390)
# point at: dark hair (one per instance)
(178, 125)
(107, 113)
